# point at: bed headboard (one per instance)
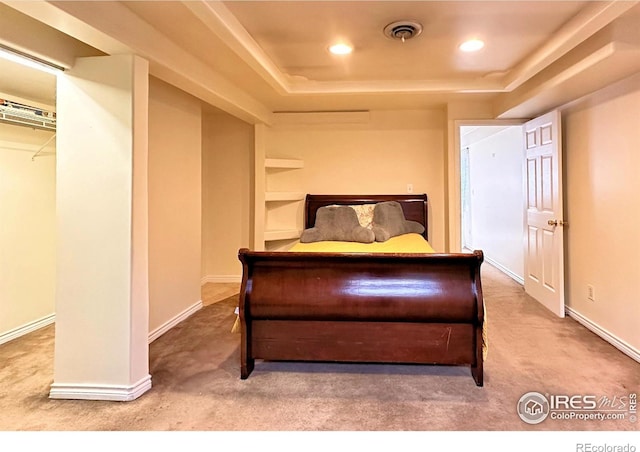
(414, 206)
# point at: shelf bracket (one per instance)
(33, 158)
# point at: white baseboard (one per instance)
(221, 279)
(115, 393)
(155, 334)
(505, 270)
(618, 343)
(27, 328)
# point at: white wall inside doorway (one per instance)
(492, 195)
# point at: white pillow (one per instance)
(364, 213)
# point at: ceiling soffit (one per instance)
(220, 19)
(219, 61)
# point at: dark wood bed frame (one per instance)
(362, 307)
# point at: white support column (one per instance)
(102, 298)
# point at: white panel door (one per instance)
(544, 235)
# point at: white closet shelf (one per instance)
(25, 115)
(281, 234)
(283, 163)
(283, 196)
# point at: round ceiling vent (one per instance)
(403, 30)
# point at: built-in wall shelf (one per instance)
(279, 193)
(283, 163)
(283, 234)
(283, 196)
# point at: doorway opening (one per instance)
(491, 195)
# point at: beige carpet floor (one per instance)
(196, 384)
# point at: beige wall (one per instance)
(174, 202)
(227, 156)
(27, 231)
(381, 156)
(602, 199)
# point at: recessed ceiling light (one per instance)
(341, 49)
(472, 45)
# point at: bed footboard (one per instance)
(386, 308)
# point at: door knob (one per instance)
(557, 222)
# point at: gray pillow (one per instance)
(389, 221)
(337, 223)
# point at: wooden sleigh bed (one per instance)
(362, 307)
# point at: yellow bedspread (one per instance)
(405, 243)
